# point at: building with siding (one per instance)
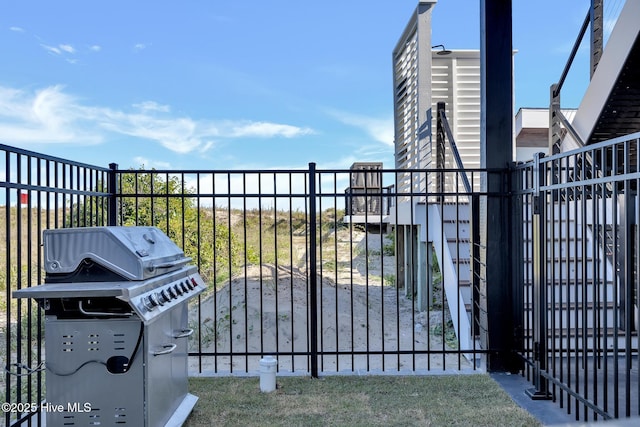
(422, 77)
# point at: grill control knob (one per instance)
(159, 298)
(163, 297)
(178, 289)
(194, 283)
(172, 293)
(150, 302)
(184, 287)
(189, 284)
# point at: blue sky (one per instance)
(201, 84)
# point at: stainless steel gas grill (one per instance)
(116, 302)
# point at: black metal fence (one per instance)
(358, 201)
(580, 291)
(289, 272)
(38, 192)
(292, 274)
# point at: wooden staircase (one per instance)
(449, 230)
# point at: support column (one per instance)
(496, 152)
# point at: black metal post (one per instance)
(539, 300)
(313, 279)
(496, 154)
(112, 186)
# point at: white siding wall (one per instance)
(456, 82)
(453, 79)
(406, 102)
(412, 98)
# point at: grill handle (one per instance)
(183, 333)
(170, 264)
(168, 348)
(100, 313)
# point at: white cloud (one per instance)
(266, 130)
(17, 29)
(95, 48)
(152, 106)
(148, 163)
(51, 49)
(50, 115)
(62, 50)
(380, 129)
(176, 134)
(67, 48)
(139, 46)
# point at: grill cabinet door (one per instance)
(166, 388)
(77, 351)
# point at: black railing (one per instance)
(287, 274)
(557, 120)
(264, 239)
(448, 156)
(580, 280)
(444, 138)
(275, 236)
(38, 192)
(370, 201)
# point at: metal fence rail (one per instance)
(38, 192)
(580, 291)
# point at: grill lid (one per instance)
(135, 253)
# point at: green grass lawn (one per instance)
(452, 400)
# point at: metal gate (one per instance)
(580, 290)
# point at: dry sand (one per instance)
(265, 310)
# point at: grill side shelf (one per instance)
(72, 290)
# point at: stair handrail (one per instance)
(572, 55)
(556, 117)
(442, 124)
(444, 135)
